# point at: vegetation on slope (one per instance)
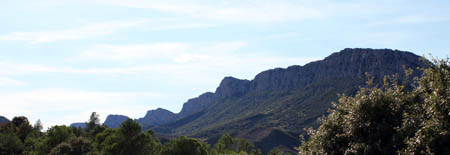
(389, 120)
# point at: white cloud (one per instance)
(6, 81)
(86, 31)
(64, 106)
(234, 11)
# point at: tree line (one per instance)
(20, 137)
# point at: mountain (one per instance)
(114, 121)
(3, 120)
(195, 105)
(157, 117)
(272, 109)
(78, 125)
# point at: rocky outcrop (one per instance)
(157, 117)
(196, 104)
(114, 121)
(232, 87)
(346, 63)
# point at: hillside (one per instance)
(3, 120)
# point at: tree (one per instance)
(230, 145)
(10, 144)
(80, 145)
(256, 152)
(129, 139)
(184, 146)
(93, 121)
(427, 123)
(54, 136)
(38, 125)
(389, 120)
(244, 146)
(275, 151)
(61, 149)
(225, 144)
(21, 127)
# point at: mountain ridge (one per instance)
(278, 103)
(226, 89)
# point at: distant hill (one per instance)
(3, 120)
(272, 109)
(114, 121)
(78, 125)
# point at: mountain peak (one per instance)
(157, 111)
(158, 116)
(232, 87)
(196, 104)
(114, 121)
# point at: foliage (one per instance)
(93, 121)
(230, 145)
(275, 151)
(389, 120)
(184, 146)
(10, 144)
(129, 139)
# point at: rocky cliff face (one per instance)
(114, 121)
(196, 104)
(232, 87)
(346, 63)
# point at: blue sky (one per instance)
(62, 60)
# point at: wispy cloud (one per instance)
(6, 81)
(176, 52)
(74, 104)
(131, 52)
(92, 30)
(234, 11)
(410, 19)
(77, 33)
(179, 59)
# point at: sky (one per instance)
(62, 60)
